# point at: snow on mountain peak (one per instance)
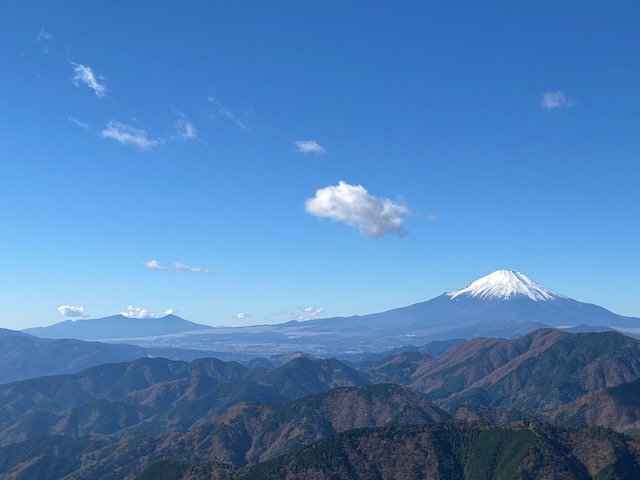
(505, 284)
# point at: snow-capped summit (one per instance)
(505, 284)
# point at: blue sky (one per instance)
(251, 162)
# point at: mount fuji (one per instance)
(504, 300)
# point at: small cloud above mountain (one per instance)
(71, 311)
(136, 312)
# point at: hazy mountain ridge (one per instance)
(154, 395)
(24, 356)
(116, 326)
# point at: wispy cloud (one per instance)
(154, 265)
(300, 313)
(184, 129)
(227, 113)
(128, 135)
(552, 100)
(137, 312)
(83, 74)
(310, 147)
(75, 121)
(44, 36)
(45, 40)
(71, 311)
(309, 312)
(374, 217)
(181, 267)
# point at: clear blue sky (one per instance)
(294, 159)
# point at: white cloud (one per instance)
(310, 147)
(70, 311)
(75, 121)
(240, 316)
(227, 113)
(136, 312)
(83, 74)
(309, 312)
(552, 100)
(351, 204)
(154, 265)
(128, 135)
(184, 129)
(170, 311)
(181, 267)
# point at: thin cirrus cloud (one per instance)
(84, 75)
(79, 123)
(128, 135)
(136, 312)
(553, 100)
(225, 112)
(184, 129)
(374, 217)
(138, 137)
(154, 265)
(71, 311)
(310, 147)
(181, 267)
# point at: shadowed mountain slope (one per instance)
(539, 371)
(438, 452)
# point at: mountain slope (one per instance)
(536, 372)
(438, 452)
(617, 408)
(249, 433)
(154, 395)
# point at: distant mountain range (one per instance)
(116, 327)
(503, 304)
